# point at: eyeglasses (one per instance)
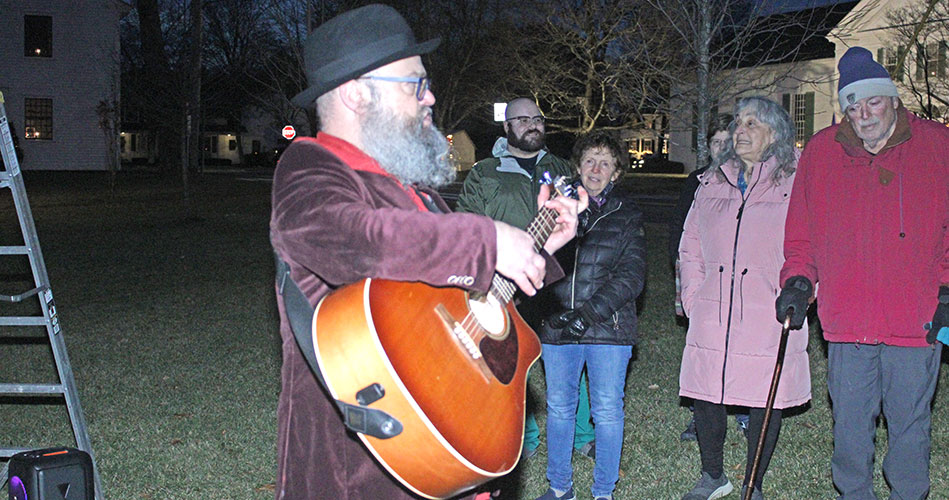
(422, 83)
(527, 120)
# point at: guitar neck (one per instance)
(540, 229)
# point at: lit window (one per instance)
(890, 57)
(931, 61)
(38, 119)
(210, 143)
(37, 36)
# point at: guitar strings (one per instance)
(503, 289)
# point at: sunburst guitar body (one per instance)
(453, 366)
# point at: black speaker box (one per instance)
(51, 474)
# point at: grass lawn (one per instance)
(170, 321)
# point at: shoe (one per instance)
(709, 489)
(552, 495)
(588, 450)
(604, 497)
(755, 495)
(526, 453)
(741, 421)
(689, 433)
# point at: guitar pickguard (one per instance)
(495, 354)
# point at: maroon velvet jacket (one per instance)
(337, 218)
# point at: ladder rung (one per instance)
(31, 389)
(22, 321)
(25, 295)
(15, 250)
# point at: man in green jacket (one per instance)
(505, 187)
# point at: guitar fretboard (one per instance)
(539, 229)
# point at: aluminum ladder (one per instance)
(11, 177)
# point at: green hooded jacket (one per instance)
(499, 188)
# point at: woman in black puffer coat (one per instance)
(594, 318)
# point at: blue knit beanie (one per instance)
(862, 77)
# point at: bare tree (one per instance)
(712, 51)
(192, 115)
(281, 73)
(469, 62)
(577, 59)
(921, 30)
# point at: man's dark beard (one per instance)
(530, 141)
(410, 151)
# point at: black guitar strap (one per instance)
(370, 421)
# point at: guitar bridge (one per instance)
(464, 340)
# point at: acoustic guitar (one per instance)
(452, 366)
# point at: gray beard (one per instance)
(404, 147)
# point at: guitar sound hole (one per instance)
(489, 314)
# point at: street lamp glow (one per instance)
(499, 108)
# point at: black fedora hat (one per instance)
(354, 43)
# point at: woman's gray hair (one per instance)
(782, 129)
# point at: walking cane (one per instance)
(778, 364)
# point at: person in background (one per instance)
(594, 323)
(868, 223)
(505, 187)
(718, 137)
(730, 256)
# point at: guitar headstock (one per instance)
(559, 186)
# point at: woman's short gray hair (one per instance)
(782, 129)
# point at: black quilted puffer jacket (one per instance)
(606, 269)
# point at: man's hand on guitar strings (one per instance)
(517, 259)
(567, 209)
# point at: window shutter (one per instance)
(786, 102)
(920, 61)
(808, 116)
(941, 64)
(900, 50)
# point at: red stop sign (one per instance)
(289, 132)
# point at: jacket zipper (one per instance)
(576, 259)
(731, 291)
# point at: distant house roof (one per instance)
(793, 36)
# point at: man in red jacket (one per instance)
(354, 203)
(867, 222)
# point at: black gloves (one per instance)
(572, 323)
(941, 316)
(795, 295)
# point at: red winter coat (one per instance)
(730, 255)
(335, 223)
(871, 230)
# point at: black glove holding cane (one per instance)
(572, 323)
(941, 316)
(795, 295)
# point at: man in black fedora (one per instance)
(355, 202)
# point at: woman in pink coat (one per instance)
(731, 254)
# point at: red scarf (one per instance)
(354, 158)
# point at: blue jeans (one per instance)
(584, 426)
(606, 372)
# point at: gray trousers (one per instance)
(860, 379)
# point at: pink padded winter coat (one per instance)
(731, 252)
